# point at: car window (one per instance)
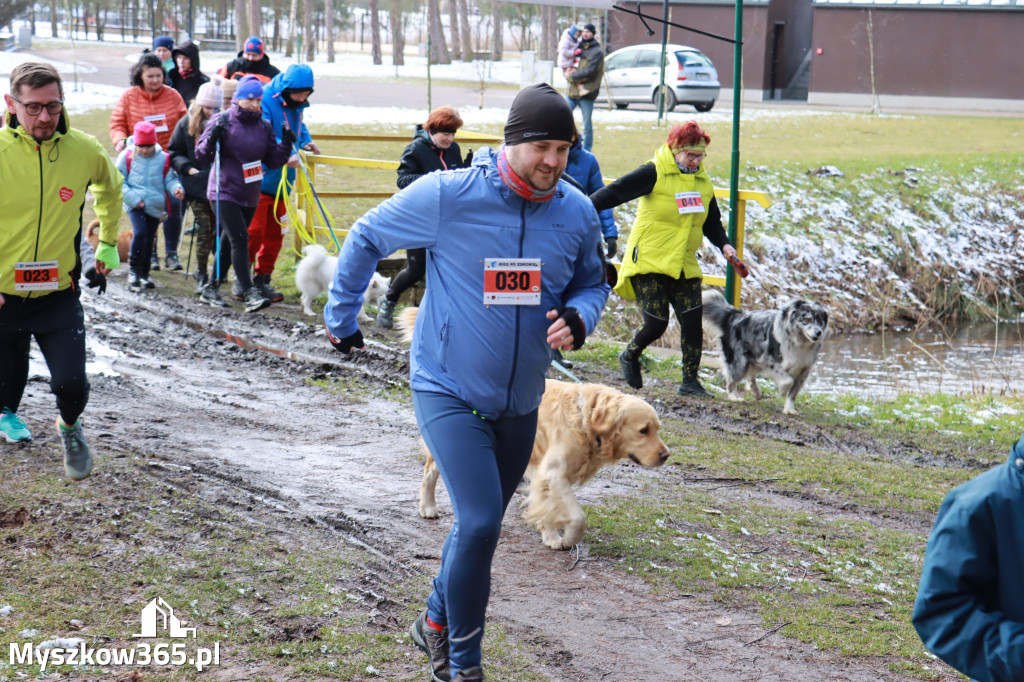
(693, 59)
(620, 61)
(647, 58)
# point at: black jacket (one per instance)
(590, 72)
(182, 149)
(187, 87)
(422, 157)
(240, 66)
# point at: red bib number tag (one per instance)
(512, 281)
(159, 121)
(252, 172)
(41, 275)
(690, 202)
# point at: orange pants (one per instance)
(265, 236)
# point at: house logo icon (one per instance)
(158, 615)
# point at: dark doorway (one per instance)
(774, 86)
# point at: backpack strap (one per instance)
(167, 163)
(128, 161)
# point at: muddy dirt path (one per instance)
(256, 433)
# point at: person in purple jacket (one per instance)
(247, 144)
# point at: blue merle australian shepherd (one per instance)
(782, 344)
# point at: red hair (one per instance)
(686, 135)
(443, 120)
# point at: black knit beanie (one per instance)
(591, 28)
(539, 112)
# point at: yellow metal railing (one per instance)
(314, 160)
(741, 218)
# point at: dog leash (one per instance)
(566, 372)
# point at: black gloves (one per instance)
(469, 158)
(613, 245)
(220, 130)
(96, 280)
(573, 320)
(346, 344)
(288, 135)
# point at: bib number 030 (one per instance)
(512, 281)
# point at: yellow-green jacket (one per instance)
(663, 240)
(43, 195)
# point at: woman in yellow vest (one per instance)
(659, 268)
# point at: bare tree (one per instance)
(241, 25)
(453, 26)
(53, 18)
(375, 31)
(438, 47)
(329, 29)
(307, 22)
(497, 39)
(255, 19)
(548, 26)
(397, 34)
(293, 16)
(467, 38)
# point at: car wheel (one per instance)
(670, 99)
(621, 105)
(703, 106)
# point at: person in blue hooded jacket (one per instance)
(284, 100)
(970, 605)
(514, 271)
(584, 169)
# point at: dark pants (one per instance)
(234, 240)
(206, 233)
(481, 463)
(415, 268)
(172, 225)
(58, 325)
(144, 228)
(654, 294)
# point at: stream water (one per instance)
(981, 358)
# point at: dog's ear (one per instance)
(605, 407)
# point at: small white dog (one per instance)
(315, 272)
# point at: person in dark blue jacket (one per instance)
(514, 270)
(584, 169)
(970, 605)
(284, 101)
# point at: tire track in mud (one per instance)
(248, 431)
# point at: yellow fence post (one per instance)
(741, 221)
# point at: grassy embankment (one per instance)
(829, 541)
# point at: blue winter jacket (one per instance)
(147, 182)
(491, 357)
(584, 169)
(970, 604)
(297, 77)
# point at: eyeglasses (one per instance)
(695, 156)
(35, 108)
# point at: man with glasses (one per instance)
(47, 167)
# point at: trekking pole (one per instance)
(216, 171)
(188, 261)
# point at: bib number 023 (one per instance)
(512, 281)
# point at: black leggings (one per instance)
(58, 325)
(654, 294)
(407, 278)
(234, 240)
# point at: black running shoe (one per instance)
(435, 645)
(631, 370)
